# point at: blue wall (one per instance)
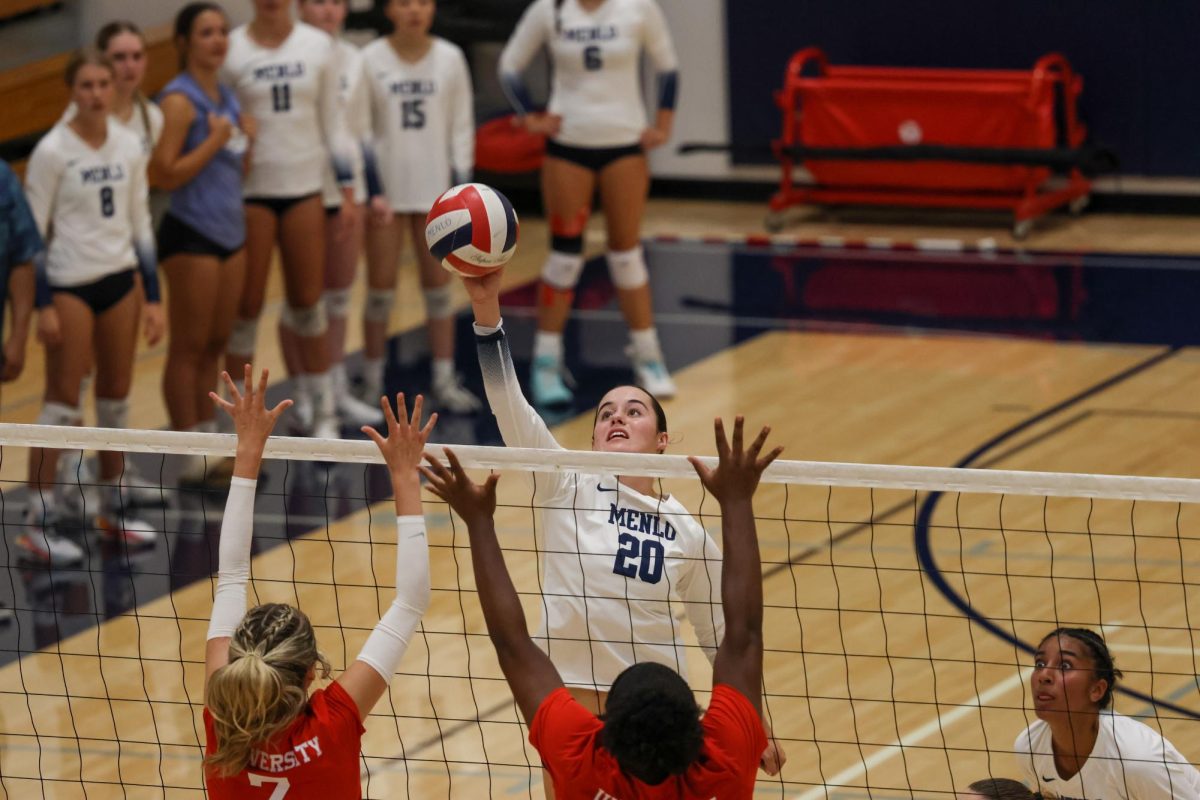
(1140, 59)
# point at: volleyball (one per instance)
(472, 230)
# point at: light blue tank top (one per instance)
(211, 203)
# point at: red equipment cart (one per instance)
(930, 137)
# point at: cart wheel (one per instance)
(1021, 229)
(1079, 204)
(773, 222)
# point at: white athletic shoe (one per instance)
(651, 374)
(353, 412)
(301, 411)
(42, 545)
(451, 395)
(134, 532)
(137, 490)
(324, 406)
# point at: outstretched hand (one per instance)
(472, 501)
(406, 437)
(251, 418)
(738, 470)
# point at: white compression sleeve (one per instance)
(386, 644)
(233, 559)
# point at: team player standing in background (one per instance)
(598, 138)
(424, 123)
(285, 75)
(86, 184)
(343, 224)
(200, 159)
(123, 43)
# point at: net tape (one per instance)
(813, 473)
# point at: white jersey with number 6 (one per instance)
(91, 203)
(424, 122)
(293, 93)
(597, 86)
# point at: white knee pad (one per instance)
(306, 322)
(337, 303)
(562, 270)
(439, 301)
(379, 305)
(243, 339)
(628, 268)
(112, 413)
(58, 414)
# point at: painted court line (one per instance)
(916, 736)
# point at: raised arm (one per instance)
(529, 672)
(253, 423)
(368, 677)
(732, 483)
(519, 423)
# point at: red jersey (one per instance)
(567, 736)
(315, 759)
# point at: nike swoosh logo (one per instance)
(605, 488)
(1048, 780)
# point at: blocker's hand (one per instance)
(738, 469)
(470, 500)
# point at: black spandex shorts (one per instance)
(103, 294)
(332, 211)
(593, 158)
(176, 237)
(278, 205)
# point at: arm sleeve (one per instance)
(233, 559)
(388, 642)
(42, 176)
(462, 126)
(700, 591)
(143, 231)
(656, 38)
(531, 35)
(331, 108)
(519, 424)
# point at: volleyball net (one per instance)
(901, 606)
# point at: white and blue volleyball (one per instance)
(472, 230)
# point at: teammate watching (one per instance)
(651, 739)
(201, 239)
(342, 248)
(618, 557)
(1079, 748)
(262, 727)
(598, 137)
(19, 245)
(424, 126)
(124, 44)
(86, 185)
(285, 76)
